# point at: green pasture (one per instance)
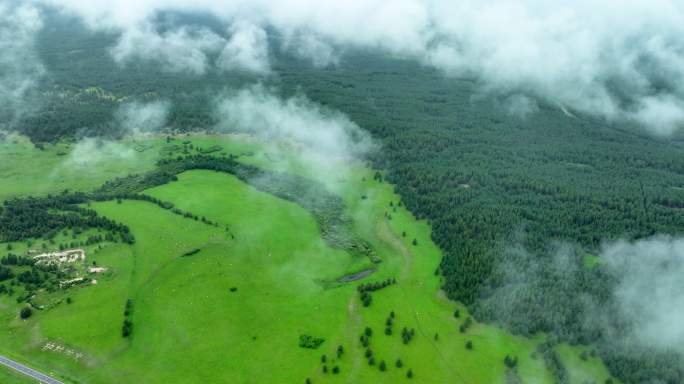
(234, 310)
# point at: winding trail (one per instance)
(386, 234)
(42, 378)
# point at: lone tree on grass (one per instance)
(409, 373)
(127, 328)
(340, 351)
(383, 366)
(25, 312)
(510, 362)
(336, 370)
(399, 364)
(469, 345)
(415, 241)
(366, 298)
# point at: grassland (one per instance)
(8, 376)
(234, 310)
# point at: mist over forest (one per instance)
(542, 142)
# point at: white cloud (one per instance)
(305, 137)
(139, 117)
(310, 46)
(650, 291)
(20, 67)
(620, 60)
(246, 50)
(180, 50)
(88, 153)
(664, 113)
(520, 106)
(260, 111)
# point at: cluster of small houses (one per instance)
(67, 257)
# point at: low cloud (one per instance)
(137, 117)
(650, 293)
(89, 153)
(260, 111)
(520, 106)
(313, 48)
(20, 67)
(632, 301)
(301, 133)
(181, 50)
(246, 50)
(622, 61)
(663, 113)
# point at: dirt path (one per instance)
(385, 234)
(353, 327)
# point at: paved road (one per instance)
(45, 379)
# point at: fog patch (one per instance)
(664, 113)
(632, 301)
(246, 50)
(311, 47)
(520, 106)
(91, 152)
(650, 292)
(138, 117)
(260, 111)
(623, 61)
(20, 67)
(299, 135)
(182, 50)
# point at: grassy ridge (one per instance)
(189, 323)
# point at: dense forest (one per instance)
(504, 193)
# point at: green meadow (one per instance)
(8, 376)
(230, 302)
